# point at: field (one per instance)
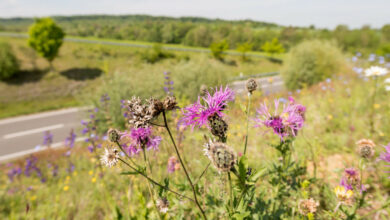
(81, 67)
(166, 133)
(337, 116)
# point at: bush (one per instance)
(8, 63)
(218, 49)
(155, 54)
(273, 47)
(311, 62)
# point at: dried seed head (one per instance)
(113, 135)
(163, 205)
(308, 206)
(218, 127)
(170, 103)
(155, 107)
(139, 113)
(366, 148)
(222, 156)
(110, 157)
(251, 85)
(203, 90)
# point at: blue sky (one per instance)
(321, 13)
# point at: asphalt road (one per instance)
(23, 135)
(20, 136)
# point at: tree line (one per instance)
(203, 32)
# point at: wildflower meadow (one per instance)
(316, 153)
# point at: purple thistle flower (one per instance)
(197, 114)
(47, 138)
(139, 138)
(284, 124)
(385, 156)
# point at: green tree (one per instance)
(8, 63)
(218, 49)
(46, 38)
(273, 47)
(243, 49)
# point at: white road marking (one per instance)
(40, 115)
(26, 152)
(33, 131)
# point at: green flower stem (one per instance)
(247, 121)
(372, 123)
(201, 175)
(149, 183)
(230, 190)
(182, 165)
(155, 182)
(124, 152)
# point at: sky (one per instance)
(321, 13)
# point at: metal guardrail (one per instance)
(126, 44)
(258, 75)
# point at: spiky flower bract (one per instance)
(138, 139)
(251, 85)
(221, 156)
(110, 157)
(199, 112)
(366, 148)
(285, 123)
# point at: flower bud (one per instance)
(113, 135)
(251, 85)
(222, 156)
(366, 148)
(218, 127)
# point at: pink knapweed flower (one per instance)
(285, 123)
(198, 113)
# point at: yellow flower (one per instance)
(90, 172)
(330, 100)
(376, 106)
(270, 80)
(93, 179)
(381, 134)
(330, 117)
(342, 194)
(75, 173)
(32, 198)
(66, 188)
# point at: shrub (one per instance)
(273, 47)
(46, 38)
(8, 63)
(218, 49)
(311, 62)
(244, 48)
(155, 54)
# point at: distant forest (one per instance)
(202, 32)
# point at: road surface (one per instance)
(23, 135)
(20, 136)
